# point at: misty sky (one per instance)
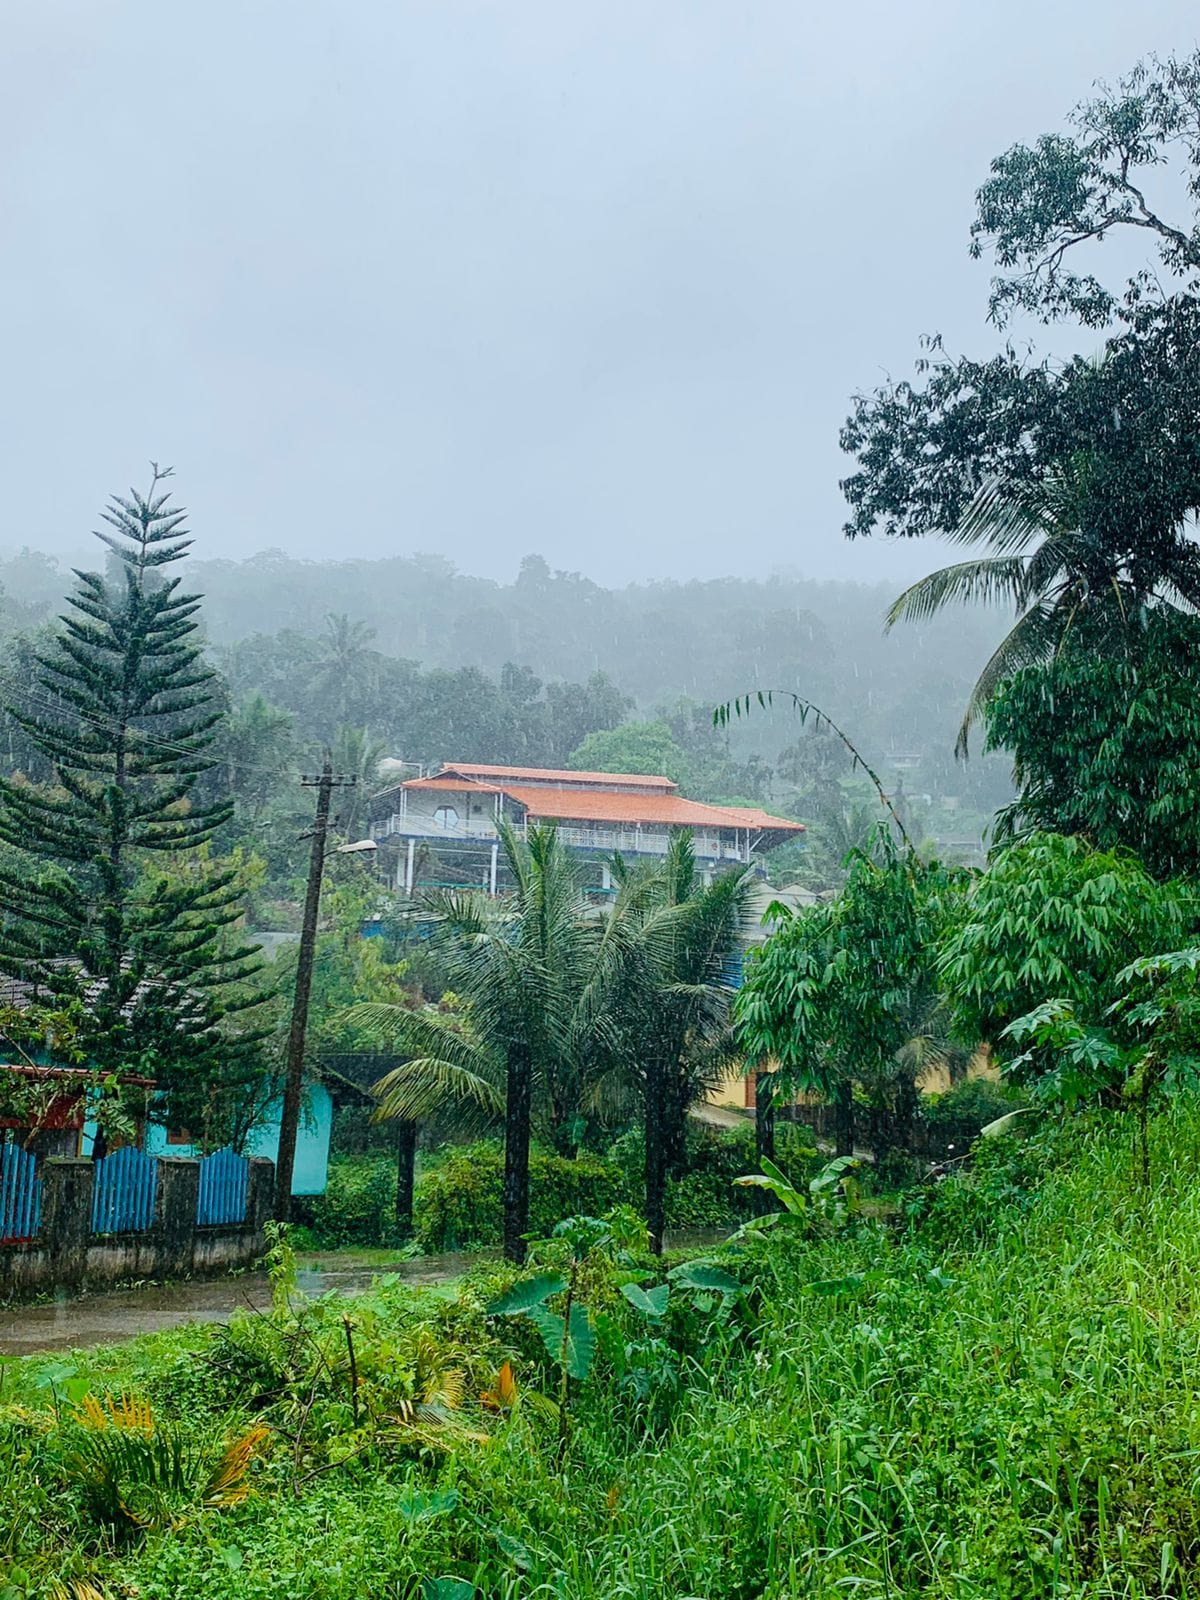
(592, 279)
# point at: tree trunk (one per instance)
(905, 1114)
(764, 1116)
(656, 1174)
(675, 1115)
(517, 1114)
(843, 1104)
(406, 1161)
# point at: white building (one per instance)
(453, 817)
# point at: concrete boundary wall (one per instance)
(67, 1256)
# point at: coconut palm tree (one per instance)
(675, 1018)
(536, 974)
(1054, 556)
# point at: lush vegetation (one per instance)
(997, 1399)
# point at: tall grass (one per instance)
(1002, 1401)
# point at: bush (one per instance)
(975, 1102)
(704, 1196)
(358, 1206)
(458, 1205)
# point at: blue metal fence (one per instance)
(124, 1192)
(224, 1188)
(20, 1195)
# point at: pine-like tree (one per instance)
(126, 709)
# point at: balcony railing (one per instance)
(625, 841)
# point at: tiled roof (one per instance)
(669, 809)
(607, 805)
(628, 780)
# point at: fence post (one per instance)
(67, 1217)
(178, 1191)
(260, 1196)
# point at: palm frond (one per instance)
(1031, 641)
(422, 1087)
(987, 581)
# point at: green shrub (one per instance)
(973, 1103)
(358, 1206)
(704, 1195)
(457, 1205)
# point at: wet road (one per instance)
(125, 1313)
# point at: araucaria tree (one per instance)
(125, 709)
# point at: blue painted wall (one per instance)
(312, 1143)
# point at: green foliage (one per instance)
(1052, 919)
(108, 902)
(1080, 477)
(633, 747)
(847, 991)
(457, 1204)
(1106, 742)
(943, 1409)
(969, 1105)
(358, 1206)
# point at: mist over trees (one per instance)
(436, 664)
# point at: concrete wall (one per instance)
(67, 1256)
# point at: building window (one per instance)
(179, 1136)
(446, 817)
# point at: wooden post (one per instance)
(406, 1158)
(293, 1087)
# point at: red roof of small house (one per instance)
(559, 775)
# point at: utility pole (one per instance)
(293, 1086)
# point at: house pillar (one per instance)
(178, 1195)
(260, 1197)
(605, 875)
(408, 867)
(66, 1227)
(495, 864)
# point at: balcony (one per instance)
(586, 836)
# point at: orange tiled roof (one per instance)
(641, 780)
(606, 805)
(670, 809)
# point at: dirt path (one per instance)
(126, 1313)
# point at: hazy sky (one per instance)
(593, 279)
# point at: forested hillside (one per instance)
(437, 664)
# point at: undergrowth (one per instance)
(994, 1397)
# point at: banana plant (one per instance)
(824, 1198)
(570, 1335)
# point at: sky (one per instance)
(592, 278)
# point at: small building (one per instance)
(445, 828)
(44, 1108)
(311, 1169)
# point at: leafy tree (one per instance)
(642, 747)
(847, 992)
(1053, 920)
(575, 710)
(1058, 570)
(1046, 203)
(1106, 743)
(122, 704)
(258, 745)
(347, 666)
(1088, 457)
